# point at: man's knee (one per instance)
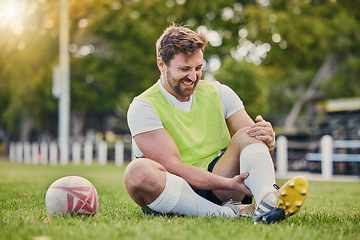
(144, 180)
(140, 171)
(242, 139)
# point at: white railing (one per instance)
(45, 153)
(326, 155)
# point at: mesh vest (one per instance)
(198, 134)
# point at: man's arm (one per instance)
(159, 146)
(238, 120)
(261, 130)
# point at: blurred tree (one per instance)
(249, 83)
(304, 36)
(277, 47)
(27, 54)
(124, 33)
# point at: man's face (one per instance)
(182, 74)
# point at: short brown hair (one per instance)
(179, 39)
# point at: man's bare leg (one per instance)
(154, 189)
(258, 164)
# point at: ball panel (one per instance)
(56, 202)
(92, 202)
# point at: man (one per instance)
(199, 153)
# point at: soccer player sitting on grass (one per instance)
(198, 151)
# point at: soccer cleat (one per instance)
(241, 210)
(280, 204)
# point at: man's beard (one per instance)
(176, 85)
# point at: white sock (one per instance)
(256, 160)
(179, 198)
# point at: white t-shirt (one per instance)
(142, 117)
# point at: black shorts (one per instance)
(208, 194)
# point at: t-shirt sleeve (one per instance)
(230, 101)
(141, 117)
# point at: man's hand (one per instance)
(262, 130)
(240, 185)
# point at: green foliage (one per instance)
(248, 81)
(121, 62)
(309, 32)
(27, 56)
(331, 211)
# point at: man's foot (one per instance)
(241, 210)
(280, 204)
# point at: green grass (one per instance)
(331, 211)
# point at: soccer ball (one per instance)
(72, 195)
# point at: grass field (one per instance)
(331, 211)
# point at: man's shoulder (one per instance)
(151, 90)
(138, 104)
(204, 84)
(214, 83)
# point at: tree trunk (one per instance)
(328, 69)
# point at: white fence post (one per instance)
(44, 153)
(35, 153)
(88, 152)
(27, 153)
(119, 153)
(19, 152)
(53, 153)
(326, 156)
(12, 152)
(282, 155)
(76, 153)
(102, 152)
